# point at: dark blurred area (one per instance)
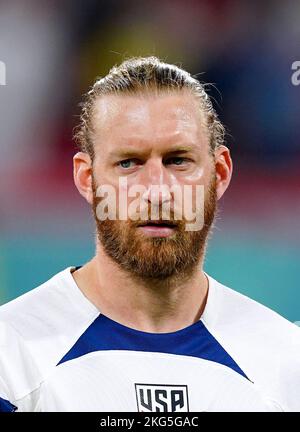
(53, 51)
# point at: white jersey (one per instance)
(59, 353)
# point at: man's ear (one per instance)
(82, 173)
(223, 164)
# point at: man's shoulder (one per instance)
(49, 318)
(239, 309)
(265, 344)
(36, 331)
(36, 295)
(58, 294)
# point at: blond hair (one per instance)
(138, 75)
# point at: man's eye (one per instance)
(126, 163)
(177, 160)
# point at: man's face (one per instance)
(152, 141)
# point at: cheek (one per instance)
(106, 184)
(196, 177)
(199, 173)
(197, 182)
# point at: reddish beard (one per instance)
(156, 257)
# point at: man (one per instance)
(141, 327)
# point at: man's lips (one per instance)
(160, 223)
(157, 228)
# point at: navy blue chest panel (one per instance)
(195, 341)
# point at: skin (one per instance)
(151, 127)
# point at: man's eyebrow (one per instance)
(181, 149)
(127, 153)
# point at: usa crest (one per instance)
(162, 398)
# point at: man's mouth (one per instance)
(159, 223)
(161, 228)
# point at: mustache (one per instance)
(147, 213)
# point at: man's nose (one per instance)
(157, 181)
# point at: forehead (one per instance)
(148, 117)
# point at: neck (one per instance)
(156, 306)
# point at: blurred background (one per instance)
(54, 50)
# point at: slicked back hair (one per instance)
(140, 75)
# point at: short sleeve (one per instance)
(289, 373)
(19, 377)
(5, 404)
